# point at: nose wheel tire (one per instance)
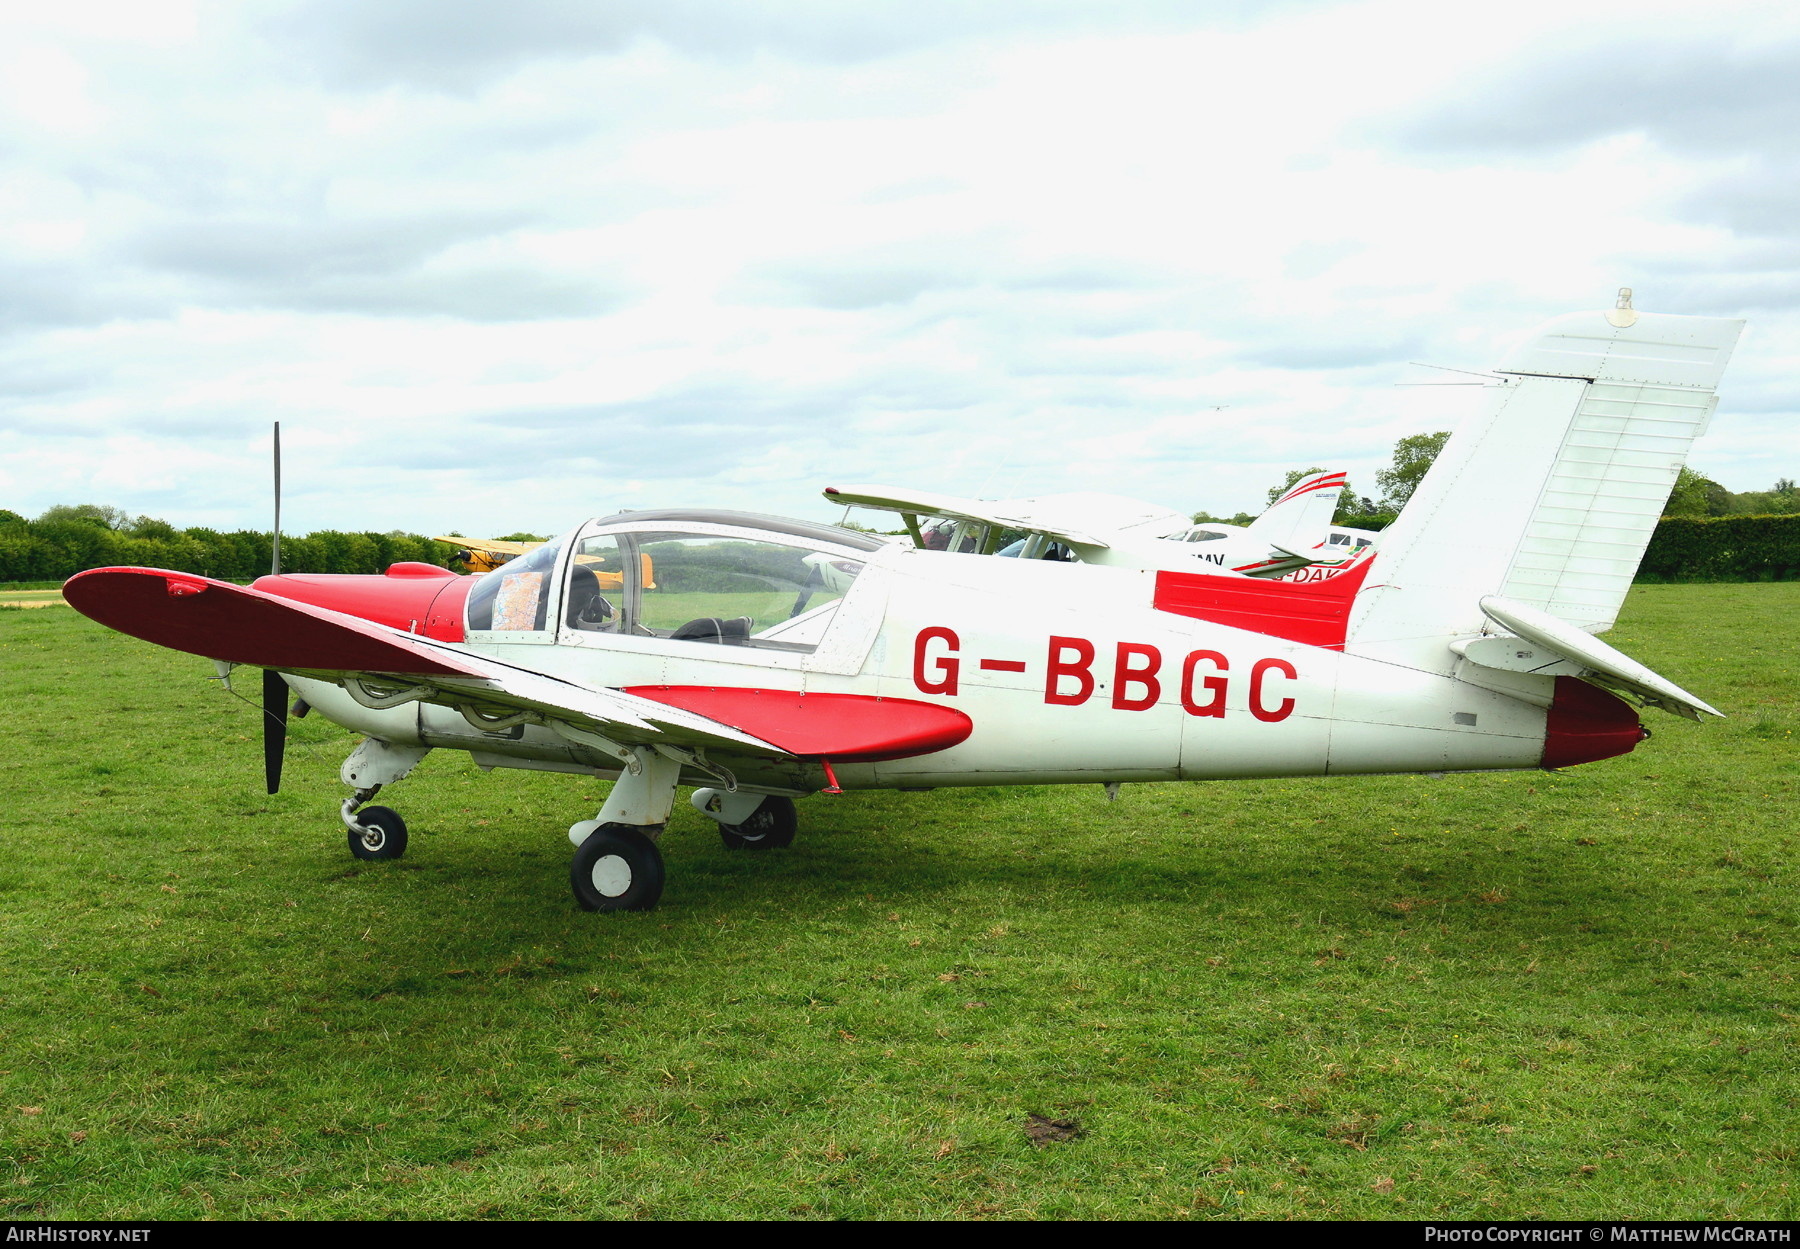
(617, 869)
(770, 827)
(382, 836)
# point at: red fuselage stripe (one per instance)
(1316, 613)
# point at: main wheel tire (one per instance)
(770, 827)
(386, 838)
(617, 868)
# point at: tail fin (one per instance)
(1549, 497)
(1301, 518)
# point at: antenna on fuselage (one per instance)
(275, 546)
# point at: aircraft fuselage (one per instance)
(1067, 673)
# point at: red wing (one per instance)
(245, 626)
(186, 612)
(239, 625)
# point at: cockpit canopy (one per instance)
(722, 577)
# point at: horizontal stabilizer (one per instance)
(1277, 563)
(1599, 663)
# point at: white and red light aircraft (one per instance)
(1466, 643)
(1293, 539)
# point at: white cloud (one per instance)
(552, 259)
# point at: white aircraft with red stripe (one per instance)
(744, 670)
(1294, 538)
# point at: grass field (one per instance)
(1503, 996)
(40, 597)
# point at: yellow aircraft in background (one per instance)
(485, 555)
(481, 555)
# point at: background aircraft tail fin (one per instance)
(1548, 496)
(1301, 518)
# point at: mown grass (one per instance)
(1491, 996)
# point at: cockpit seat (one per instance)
(733, 632)
(588, 608)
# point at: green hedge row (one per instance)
(1684, 548)
(1704, 548)
(57, 550)
(1723, 548)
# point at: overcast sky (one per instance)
(502, 266)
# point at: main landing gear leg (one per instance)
(617, 866)
(749, 821)
(376, 832)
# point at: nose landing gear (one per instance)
(375, 832)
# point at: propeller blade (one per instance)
(275, 692)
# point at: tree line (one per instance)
(67, 539)
(1395, 485)
(1761, 540)
(1693, 494)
